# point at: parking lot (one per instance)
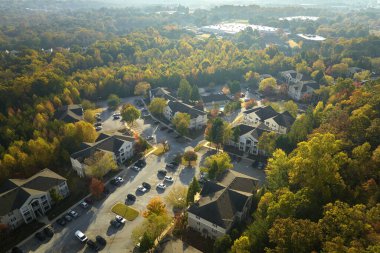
(95, 220)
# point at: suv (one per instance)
(81, 237)
(146, 185)
(101, 240)
(131, 197)
(115, 224)
(140, 163)
(162, 172)
(169, 179)
(40, 236)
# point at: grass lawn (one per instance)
(125, 211)
(159, 150)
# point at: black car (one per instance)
(131, 197)
(156, 122)
(92, 245)
(40, 236)
(163, 128)
(115, 224)
(106, 191)
(140, 163)
(170, 131)
(101, 240)
(49, 232)
(162, 172)
(61, 222)
(146, 185)
(98, 124)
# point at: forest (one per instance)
(322, 179)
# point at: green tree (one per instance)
(98, 164)
(241, 245)
(195, 96)
(223, 162)
(292, 235)
(141, 89)
(190, 156)
(157, 106)
(268, 85)
(146, 243)
(267, 142)
(184, 90)
(181, 122)
(218, 132)
(113, 101)
(316, 164)
(130, 113)
(194, 188)
(177, 196)
(277, 170)
(291, 107)
(234, 87)
(55, 196)
(222, 244)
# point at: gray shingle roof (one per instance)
(221, 200)
(105, 142)
(264, 112)
(176, 106)
(215, 98)
(284, 119)
(14, 192)
(69, 113)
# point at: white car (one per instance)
(73, 214)
(169, 179)
(120, 219)
(135, 168)
(119, 179)
(84, 204)
(161, 186)
(81, 237)
(141, 188)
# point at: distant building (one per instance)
(215, 100)
(233, 28)
(291, 76)
(299, 90)
(198, 118)
(120, 146)
(248, 139)
(311, 37)
(69, 113)
(24, 200)
(274, 121)
(222, 204)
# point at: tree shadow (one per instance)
(186, 175)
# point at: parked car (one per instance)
(61, 222)
(131, 197)
(150, 138)
(135, 168)
(141, 163)
(162, 172)
(168, 179)
(115, 224)
(73, 214)
(98, 128)
(116, 116)
(156, 122)
(84, 205)
(81, 237)
(115, 182)
(141, 189)
(119, 180)
(101, 240)
(260, 166)
(68, 218)
(161, 186)
(120, 219)
(170, 131)
(92, 245)
(40, 236)
(163, 128)
(146, 185)
(97, 124)
(49, 232)
(105, 191)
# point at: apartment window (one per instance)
(29, 219)
(26, 213)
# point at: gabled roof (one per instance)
(221, 200)
(257, 132)
(162, 93)
(243, 129)
(312, 84)
(177, 106)
(263, 112)
(69, 113)
(14, 192)
(104, 142)
(215, 98)
(284, 119)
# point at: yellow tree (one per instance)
(155, 206)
